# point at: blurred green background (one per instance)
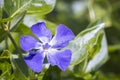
(77, 14)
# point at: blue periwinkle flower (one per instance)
(47, 46)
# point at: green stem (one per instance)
(3, 73)
(91, 10)
(5, 27)
(112, 48)
(5, 57)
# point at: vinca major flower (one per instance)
(48, 47)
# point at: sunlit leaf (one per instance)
(14, 7)
(100, 58)
(41, 6)
(16, 20)
(84, 42)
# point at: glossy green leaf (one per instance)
(41, 6)
(84, 42)
(14, 7)
(16, 20)
(100, 58)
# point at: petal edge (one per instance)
(62, 37)
(35, 61)
(60, 58)
(40, 30)
(27, 42)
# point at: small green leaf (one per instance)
(100, 58)
(84, 42)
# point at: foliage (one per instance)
(94, 22)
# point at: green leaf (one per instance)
(16, 20)
(19, 67)
(100, 58)
(14, 7)
(79, 69)
(84, 42)
(41, 6)
(96, 47)
(22, 29)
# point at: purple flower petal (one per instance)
(27, 42)
(35, 60)
(60, 58)
(62, 37)
(42, 32)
